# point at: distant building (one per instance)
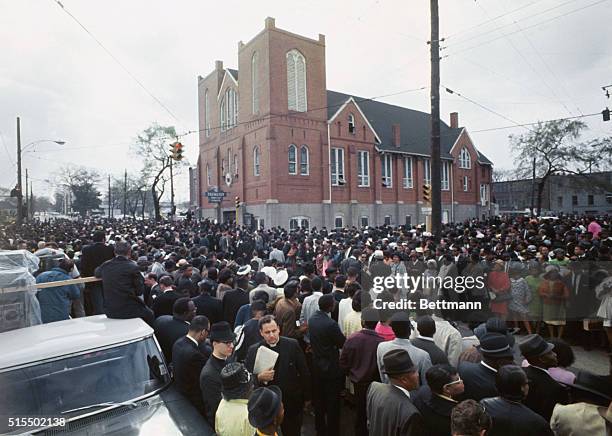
(296, 154)
(568, 194)
(193, 187)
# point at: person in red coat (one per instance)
(499, 286)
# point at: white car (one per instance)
(90, 376)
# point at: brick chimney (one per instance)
(218, 65)
(396, 135)
(270, 23)
(454, 120)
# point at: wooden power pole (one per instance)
(436, 194)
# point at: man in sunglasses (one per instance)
(436, 400)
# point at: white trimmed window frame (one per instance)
(387, 170)
(445, 176)
(304, 160)
(256, 161)
(465, 162)
(408, 179)
(466, 184)
(337, 166)
(292, 159)
(427, 171)
(363, 169)
(296, 81)
(351, 124)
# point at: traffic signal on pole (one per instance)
(173, 151)
(178, 151)
(237, 202)
(427, 193)
(606, 114)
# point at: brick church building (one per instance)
(297, 154)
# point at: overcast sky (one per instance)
(527, 60)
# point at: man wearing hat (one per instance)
(389, 407)
(232, 418)
(544, 391)
(222, 339)
(479, 378)
(266, 411)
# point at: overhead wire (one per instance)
(524, 28)
(117, 61)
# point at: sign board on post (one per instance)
(215, 195)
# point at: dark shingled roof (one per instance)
(415, 126)
(234, 73)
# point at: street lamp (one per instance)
(19, 185)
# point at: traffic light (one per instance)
(427, 193)
(179, 151)
(606, 114)
(237, 199)
(173, 150)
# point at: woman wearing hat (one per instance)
(554, 295)
(499, 285)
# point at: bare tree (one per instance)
(153, 146)
(555, 149)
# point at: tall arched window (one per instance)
(223, 112)
(255, 82)
(292, 159)
(236, 164)
(464, 159)
(304, 164)
(256, 159)
(296, 81)
(206, 114)
(208, 175)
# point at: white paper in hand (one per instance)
(264, 360)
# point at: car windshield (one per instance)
(71, 385)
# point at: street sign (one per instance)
(215, 196)
(426, 210)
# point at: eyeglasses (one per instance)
(453, 382)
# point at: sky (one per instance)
(507, 62)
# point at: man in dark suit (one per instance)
(427, 329)
(436, 399)
(479, 378)
(211, 386)
(208, 305)
(290, 373)
(390, 409)
(92, 257)
(123, 286)
(234, 299)
(185, 286)
(170, 328)
(188, 359)
(162, 305)
(544, 391)
(510, 417)
(326, 340)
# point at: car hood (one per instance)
(168, 413)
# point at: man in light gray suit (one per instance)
(400, 323)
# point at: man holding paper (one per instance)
(279, 361)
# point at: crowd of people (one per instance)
(224, 299)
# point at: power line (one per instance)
(450, 91)
(536, 123)
(117, 61)
(468, 29)
(525, 28)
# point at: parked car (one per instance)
(91, 376)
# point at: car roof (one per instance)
(56, 339)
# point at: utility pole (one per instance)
(27, 200)
(436, 194)
(19, 190)
(31, 208)
(124, 193)
(171, 190)
(109, 197)
(533, 177)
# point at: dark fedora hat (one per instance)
(264, 405)
(398, 362)
(236, 381)
(221, 332)
(495, 345)
(535, 345)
